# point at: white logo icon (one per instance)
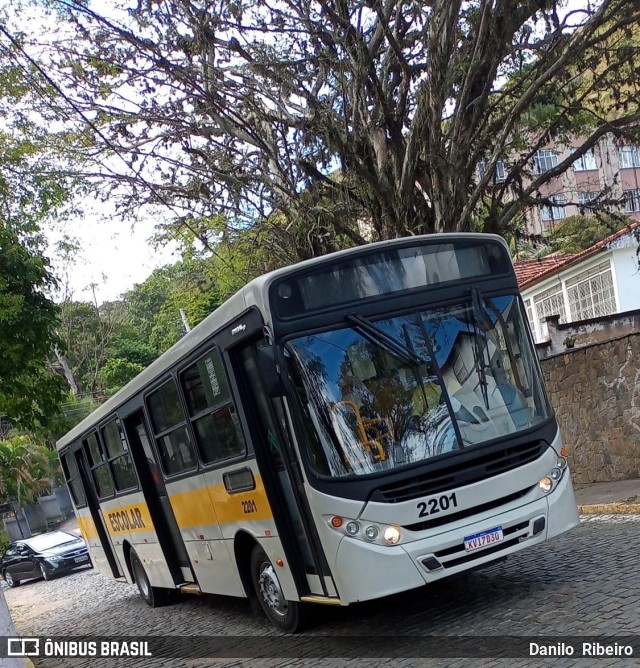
(23, 647)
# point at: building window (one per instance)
(529, 308)
(591, 293)
(585, 199)
(548, 303)
(585, 162)
(628, 156)
(631, 200)
(544, 160)
(556, 212)
(501, 171)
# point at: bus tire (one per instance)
(153, 596)
(287, 616)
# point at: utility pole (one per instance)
(185, 322)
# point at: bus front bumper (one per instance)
(378, 570)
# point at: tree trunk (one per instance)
(68, 374)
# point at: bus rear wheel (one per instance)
(153, 596)
(288, 616)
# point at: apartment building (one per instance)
(610, 167)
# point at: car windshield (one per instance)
(379, 395)
(46, 541)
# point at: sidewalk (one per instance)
(608, 498)
(7, 629)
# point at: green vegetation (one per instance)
(577, 233)
(28, 469)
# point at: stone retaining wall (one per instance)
(595, 391)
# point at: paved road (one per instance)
(583, 583)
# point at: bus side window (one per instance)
(72, 478)
(113, 436)
(211, 410)
(99, 466)
(170, 430)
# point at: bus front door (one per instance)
(280, 470)
(155, 494)
(102, 542)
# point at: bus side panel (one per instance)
(243, 511)
(248, 510)
(90, 535)
(128, 521)
(109, 509)
(211, 562)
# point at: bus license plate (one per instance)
(481, 540)
(79, 559)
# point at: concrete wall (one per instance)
(587, 332)
(595, 390)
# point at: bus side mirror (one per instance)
(269, 371)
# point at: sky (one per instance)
(113, 255)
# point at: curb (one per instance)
(619, 508)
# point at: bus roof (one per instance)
(253, 293)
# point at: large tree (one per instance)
(352, 119)
(29, 391)
(35, 185)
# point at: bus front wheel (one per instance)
(288, 616)
(153, 596)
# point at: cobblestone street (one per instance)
(583, 583)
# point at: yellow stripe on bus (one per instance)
(194, 507)
(241, 506)
(87, 527)
(128, 519)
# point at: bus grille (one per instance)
(453, 517)
(465, 472)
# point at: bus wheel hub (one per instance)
(271, 591)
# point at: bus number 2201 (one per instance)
(435, 505)
(249, 507)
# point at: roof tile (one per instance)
(529, 272)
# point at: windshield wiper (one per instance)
(480, 342)
(381, 338)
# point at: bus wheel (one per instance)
(284, 615)
(153, 596)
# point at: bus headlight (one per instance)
(562, 463)
(382, 534)
(371, 532)
(555, 474)
(352, 528)
(392, 535)
(546, 485)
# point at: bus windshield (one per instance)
(377, 395)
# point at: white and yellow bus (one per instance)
(346, 428)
